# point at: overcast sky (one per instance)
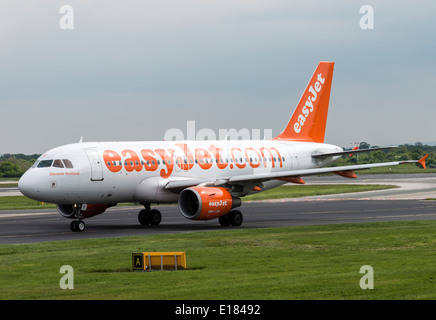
(131, 70)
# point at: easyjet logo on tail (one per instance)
(308, 106)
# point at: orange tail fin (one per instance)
(309, 119)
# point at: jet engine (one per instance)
(86, 210)
(206, 203)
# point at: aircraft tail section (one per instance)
(308, 122)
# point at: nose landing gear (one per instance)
(77, 225)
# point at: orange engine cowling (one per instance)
(206, 203)
(87, 210)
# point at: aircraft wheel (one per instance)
(224, 220)
(76, 226)
(235, 218)
(155, 217)
(144, 217)
(80, 225)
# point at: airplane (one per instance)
(207, 179)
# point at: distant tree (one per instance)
(10, 170)
(364, 145)
(403, 152)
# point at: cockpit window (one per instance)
(45, 163)
(67, 163)
(58, 163)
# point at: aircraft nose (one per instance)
(28, 185)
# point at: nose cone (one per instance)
(29, 185)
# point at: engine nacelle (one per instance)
(206, 203)
(86, 210)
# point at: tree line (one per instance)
(402, 152)
(14, 165)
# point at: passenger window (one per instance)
(67, 164)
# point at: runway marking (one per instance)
(53, 233)
(12, 215)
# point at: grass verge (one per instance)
(22, 203)
(308, 262)
(293, 191)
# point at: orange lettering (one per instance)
(111, 159)
(273, 159)
(132, 163)
(216, 152)
(188, 162)
(250, 159)
(203, 158)
(150, 163)
(240, 159)
(168, 159)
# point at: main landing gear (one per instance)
(233, 218)
(149, 217)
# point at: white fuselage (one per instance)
(113, 172)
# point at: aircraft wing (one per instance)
(342, 170)
(340, 153)
(309, 172)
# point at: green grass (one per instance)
(310, 262)
(10, 179)
(22, 203)
(313, 190)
